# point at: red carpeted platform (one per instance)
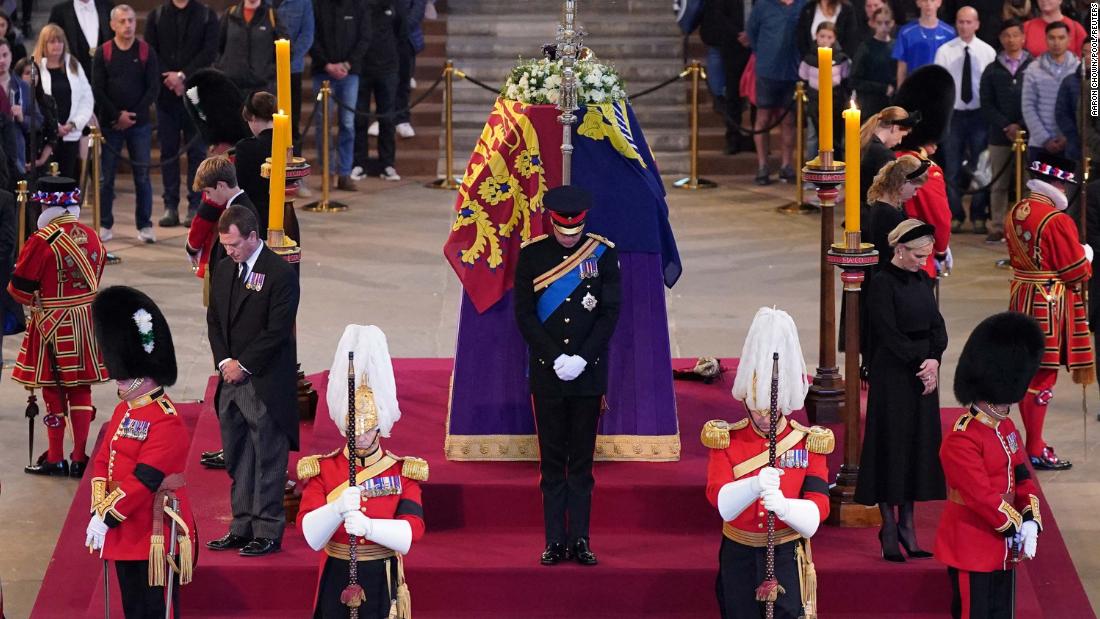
(656, 536)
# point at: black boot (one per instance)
(554, 554)
(907, 533)
(888, 534)
(44, 467)
(77, 468)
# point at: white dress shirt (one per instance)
(88, 17)
(950, 56)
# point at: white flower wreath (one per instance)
(538, 81)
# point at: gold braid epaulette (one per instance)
(716, 433)
(601, 239)
(534, 239)
(819, 440)
(414, 468)
(310, 466)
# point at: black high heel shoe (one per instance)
(894, 556)
(913, 554)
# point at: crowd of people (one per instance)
(89, 65)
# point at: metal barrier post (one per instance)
(96, 154)
(799, 205)
(325, 205)
(448, 180)
(692, 181)
(1019, 146)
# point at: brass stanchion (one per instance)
(1019, 147)
(448, 180)
(325, 205)
(95, 153)
(692, 181)
(799, 205)
(21, 208)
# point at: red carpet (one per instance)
(656, 536)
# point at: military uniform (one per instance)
(135, 472)
(740, 451)
(567, 303)
(138, 488)
(992, 518)
(929, 204)
(61, 263)
(1050, 269)
(392, 484)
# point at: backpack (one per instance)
(143, 51)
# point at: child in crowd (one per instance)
(825, 36)
(874, 70)
(919, 39)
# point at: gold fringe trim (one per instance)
(156, 561)
(513, 447)
(807, 578)
(715, 434)
(414, 468)
(186, 568)
(393, 600)
(404, 597)
(1084, 376)
(308, 467)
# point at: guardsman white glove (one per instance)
(572, 367)
(801, 515)
(1088, 251)
(96, 533)
(1029, 536)
(357, 524)
(349, 500)
(768, 478)
(319, 524)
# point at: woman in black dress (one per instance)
(900, 461)
(892, 187)
(878, 136)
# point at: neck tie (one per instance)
(967, 79)
(244, 272)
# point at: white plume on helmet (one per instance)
(772, 331)
(373, 369)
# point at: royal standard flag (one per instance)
(499, 203)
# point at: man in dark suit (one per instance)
(251, 330)
(567, 303)
(83, 20)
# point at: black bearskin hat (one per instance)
(214, 103)
(999, 359)
(929, 90)
(133, 336)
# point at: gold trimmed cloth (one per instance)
(757, 540)
(363, 552)
(525, 447)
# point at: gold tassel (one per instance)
(156, 561)
(716, 434)
(404, 597)
(393, 600)
(1084, 376)
(187, 561)
(807, 578)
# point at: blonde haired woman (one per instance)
(63, 78)
(900, 461)
(892, 187)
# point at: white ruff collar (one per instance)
(1044, 188)
(51, 213)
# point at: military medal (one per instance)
(794, 459)
(588, 302)
(381, 486)
(589, 268)
(255, 281)
(1013, 444)
(133, 428)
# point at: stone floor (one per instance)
(380, 262)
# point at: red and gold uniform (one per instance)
(990, 495)
(740, 451)
(62, 263)
(203, 233)
(930, 205)
(391, 490)
(1050, 268)
(136, 472)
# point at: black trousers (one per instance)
(372, 578)
(382, 89)
(172, 123)
(67, 156)
(981, 595)
(296, 110)
(407, 58)
(139, 600)
(567, 445)
(741, 569)
(734, 58)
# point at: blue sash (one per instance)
(555, 293)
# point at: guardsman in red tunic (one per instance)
(929, 204)
(57, 274)
(744, 488)
(383, 511)
(1051, 268)
(141, 517)
(992, 518)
